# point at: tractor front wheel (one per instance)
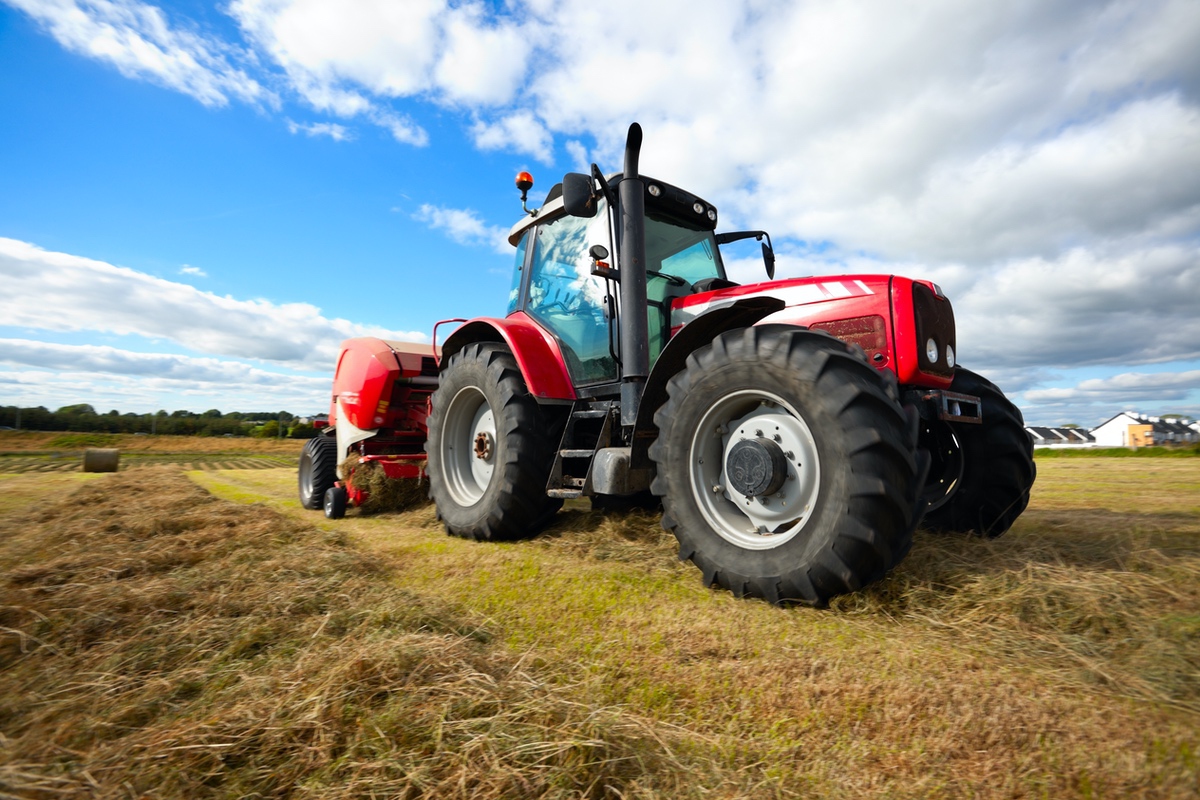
(986, 469)
(786, 466)
(489, 448)
(318, 470)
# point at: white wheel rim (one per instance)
(468, 474)
(754, 523)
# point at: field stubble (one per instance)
(164, 640)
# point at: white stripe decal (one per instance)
(836, 289)
(791, 296)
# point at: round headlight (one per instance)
(654, 190)
(698, 208)
(712, 215)
(931, 351)
(949, 356)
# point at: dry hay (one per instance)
(635, 537)
(385, 494)
(1112, 603)
(157, 642)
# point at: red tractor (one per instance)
(794, 431)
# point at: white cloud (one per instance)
(146, 393)
(332, 52)
(137, 39)
(339, 133)
(61, 292)
(479, 63)
(403, 129)
(165, 366)
(520, 132)
(386, 48)
(465, 227)
(1126, 388)
(188, 269)
(1136, 306)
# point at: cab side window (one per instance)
(568, 300)
(514, 294)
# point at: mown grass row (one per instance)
(24, 463)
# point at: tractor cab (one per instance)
(567, 274)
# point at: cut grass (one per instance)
(1009, 668)
(1178, 451)
(1060, 661)
(160, 643)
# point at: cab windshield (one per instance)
(676, 258)
(673, 249)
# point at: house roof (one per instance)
(1158, 424)
(1064, 435)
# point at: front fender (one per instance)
(537, 353)
(691, 337)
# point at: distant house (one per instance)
(1060, 437)
(1131, 429)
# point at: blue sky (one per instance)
(199, 201)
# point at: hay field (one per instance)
(160, 640)
(51, 452)
(53, 441)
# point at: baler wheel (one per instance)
(489, 448)
(336, 498)
(318, 470)
(995, 465)
(786, 466)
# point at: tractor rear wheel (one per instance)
(786, 466)
(489, 448)
(988, 467)
(318, 470)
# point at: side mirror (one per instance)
(769, 260)
(579, 199)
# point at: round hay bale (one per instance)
(101, 459)
(383, 493)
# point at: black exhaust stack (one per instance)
(635, 332)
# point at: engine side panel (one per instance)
(872, 311)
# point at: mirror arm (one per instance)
(599, 178)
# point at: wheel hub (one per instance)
(483, 445)
(755, 470)
(756, 467)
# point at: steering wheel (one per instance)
(669, 278)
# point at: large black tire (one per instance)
(494, 487)
(318, 470)
(987, 468)
(845, 513)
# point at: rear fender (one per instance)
(691, 337)
(537, 353)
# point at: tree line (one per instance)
(84, 418)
